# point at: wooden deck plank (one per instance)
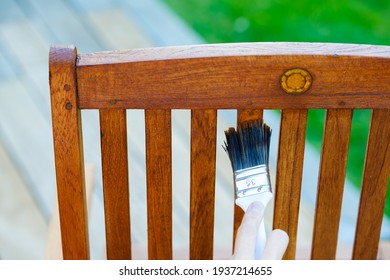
(181, 125)
(6, 66)
(91, 6)
(112, 31)
(21, 222)
(162, 26)
(65, 26)
(10, 11)
(15, 35)
(26, 135)
(29, 65)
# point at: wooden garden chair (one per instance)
(291, 77)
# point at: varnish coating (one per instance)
(206, 78)
(235, 76)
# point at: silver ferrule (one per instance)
(252, 180)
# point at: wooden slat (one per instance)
(115, 183)
(249, 115)
(244, 76)
(331, 183)
(374, 187)
(159, 183)
(68, 153)
(203, 156)
(289, 175)
(242, 116)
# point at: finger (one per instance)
(276, 245)
(245, 245)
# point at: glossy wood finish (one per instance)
(159, 183)
(289, 174)
(243, 76)
(374, 187)
(331, 183)
(205, 78)
(203, 167)
(68, 152)
(115, 183)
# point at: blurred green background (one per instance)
(341, 21)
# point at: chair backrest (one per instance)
(291, 77)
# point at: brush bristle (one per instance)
(248, 146)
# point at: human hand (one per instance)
(245, 245)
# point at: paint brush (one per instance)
(248, 150)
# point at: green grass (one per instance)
(350, 21)
(342, 21)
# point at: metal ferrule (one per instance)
(253, 180)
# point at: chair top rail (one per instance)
(232, 49)
(237, 76)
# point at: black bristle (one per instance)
(248, 146)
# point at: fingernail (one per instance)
(256, 206)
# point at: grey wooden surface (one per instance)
(27, 29)
(27, 176)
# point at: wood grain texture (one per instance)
(243, 116)
(234, 49)
(159, 183)
(374, 187)
(115, 183)
(205, 78)
(331, 183)
(68, 152)
(238, 76)
(289, 175)
(203, 168)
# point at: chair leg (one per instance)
(53, 245)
